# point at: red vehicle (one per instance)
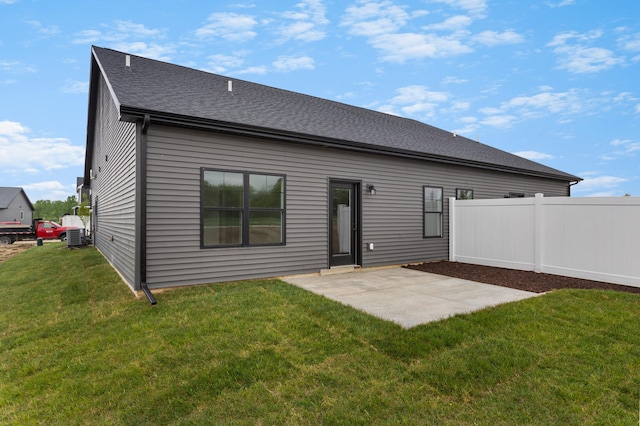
(11, 232)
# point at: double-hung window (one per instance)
(432, 211)
(242, 209)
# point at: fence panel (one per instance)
(592, 238)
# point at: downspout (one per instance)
(143, 210)
(572, 184)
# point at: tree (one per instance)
(83, 211)
(54, 210)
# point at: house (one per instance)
(15, 206)
(200, 178)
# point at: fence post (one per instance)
(537, 233)
(452, 227)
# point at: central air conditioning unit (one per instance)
(75, 237)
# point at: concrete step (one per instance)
(340, 270)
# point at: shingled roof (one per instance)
(179, 95)
(8, 194)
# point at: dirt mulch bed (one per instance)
(9, 250)
(521, 280)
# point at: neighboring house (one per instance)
(82, 192)
(15, 206)
(199, 178)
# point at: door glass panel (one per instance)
(341, 221)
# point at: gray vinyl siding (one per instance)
(113, 188)
(13, 211)
(392, 219)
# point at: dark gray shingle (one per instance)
(159, 87)
(7, 195)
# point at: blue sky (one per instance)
(556, 81)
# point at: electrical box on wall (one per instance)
(370, 246)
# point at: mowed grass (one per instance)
(76, 347)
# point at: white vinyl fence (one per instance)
(591, 238)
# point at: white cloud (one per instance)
(459, 106)
(49, 31)
(119, 31)
(73, 86)
(453, 80)
(401, 47)
(8, 1)
(416, 101)
(372, 18)
(627, 147)
(147, 50)
(20, 151)
(12, 128)
(135, 30)
(301, 30)
(501, 121)
(561, 3)
(228, 26)
(381, 22)
(470, 125)
(575, 55)
(558, 104)
(222, 63)
(494, 38)
(291, 63)
(534, 155)
(48, 190)
(87, 37)
(454, 23)
(638, 108)
(477, 8)
(595, 182)
(630, 42)
(308, 22)
(129, 36)
(490, 111)
(16, 67)
(417, 94)
(625, 96)
(553, 102)
(260, 70)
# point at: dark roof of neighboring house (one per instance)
(7, 195)
(179, 95)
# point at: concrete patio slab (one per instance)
(405, 296)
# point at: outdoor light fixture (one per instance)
(371, 189)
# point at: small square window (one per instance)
(464, 194)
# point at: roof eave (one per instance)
(132, 114)
(96, 69)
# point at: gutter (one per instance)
(132, 114)
(143, 209)
(573, 184)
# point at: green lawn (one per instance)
(77, 348)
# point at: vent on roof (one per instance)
(230, 86)
(127, 61)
